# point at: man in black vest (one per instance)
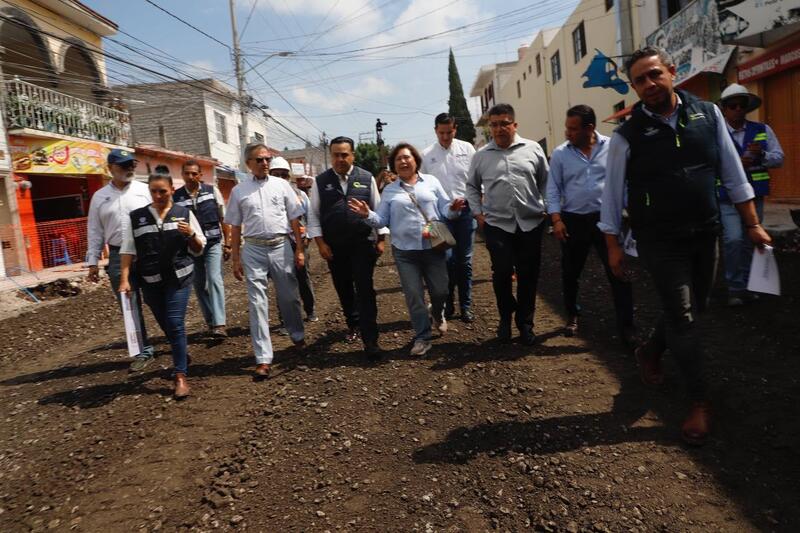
(206, 202)
(670, 153)
(350, 246)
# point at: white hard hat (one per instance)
(278, 163)
(735, 90)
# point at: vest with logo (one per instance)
(162, 252)
(341, 226)
(205, 208)
(757, 175)
(671, 174)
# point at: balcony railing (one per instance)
(30, 106)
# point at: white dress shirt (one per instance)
(129, 243)
(450, 165)
(314, 227)
(264, 207)
(108, 211)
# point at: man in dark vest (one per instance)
(759, 150)
(670, 154)
(346, 242)
(206, 202)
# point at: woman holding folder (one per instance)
(161, 238)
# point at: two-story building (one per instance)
(61, 120)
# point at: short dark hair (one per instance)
(647, 51)
(396, 150)
(501, 109)
(342, 139)
(190, 163)
(160, 174)
(585, 112)
(445, 118)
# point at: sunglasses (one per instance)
(261, 159)
(503, 124)
(736, 105)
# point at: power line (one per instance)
(176, 17)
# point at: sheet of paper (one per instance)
(133, 333)
(629, 244)
(764, 275)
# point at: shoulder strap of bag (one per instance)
(414, 201)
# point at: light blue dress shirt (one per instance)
(404, 220)
(730, 166)
(575, 183)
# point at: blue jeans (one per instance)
(414, 267)
(208, 285)
(737, 250)
(114, 272)
(459, 261)
(168, 304)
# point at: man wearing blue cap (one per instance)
(109, 207)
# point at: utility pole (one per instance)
(243, 98)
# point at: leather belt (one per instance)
(265, 242)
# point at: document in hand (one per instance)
(764, 275)
(133, 332)
(629, 244)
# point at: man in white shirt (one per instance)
(448, 159)
(108, 211)
(264, 210)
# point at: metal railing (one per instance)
(30, 106)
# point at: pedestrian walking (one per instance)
(505, 186)
(108, 212)
(206, 203)
(759, 150)
(407, 207)
(346, 242)
(669, 155)
(448, 159)
(162, 237)
(574, 191)
(263, 210)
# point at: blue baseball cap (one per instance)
(117, 156)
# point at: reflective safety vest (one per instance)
(205, 208)
(162, 252)
(757, 174)
(340, 226)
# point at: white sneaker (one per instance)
(441, 325)
(421, 347)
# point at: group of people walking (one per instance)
(678, 167)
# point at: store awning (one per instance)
(715, 65)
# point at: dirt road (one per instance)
(474, 437)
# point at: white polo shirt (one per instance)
(108, 211)
(450, 165)
(263, 207)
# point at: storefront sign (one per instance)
(742, 19)
(771, 63)
(48, 156)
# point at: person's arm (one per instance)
(542, 171)
(94, 238)
(313, 225)
(197, 240)
(613, 201)
(224, 228)
(375, 202)
(773, 156)
(474, 190)
(125, 262)
(555, 190)
(299, 255)
(236, 245)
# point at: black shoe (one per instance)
(449, 309)
(373, 351)
(527, 337)
(504, 331)
(467, 316)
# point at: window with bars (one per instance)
(579, 42)
(222, 127)
(555, 67)
(538, 65)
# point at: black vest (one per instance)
(162, 254)
(207, 210)
(671, 174)
(341, 226)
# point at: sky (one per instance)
(332, 66)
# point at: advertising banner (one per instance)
(52, 156)
(742, 19)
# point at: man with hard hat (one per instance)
(759, 151)
(109, 208)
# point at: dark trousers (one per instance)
(583, 236)
(304, 282)
(683, 274)
(519, 252)
(459, 261)
(352, 267)
(168, 304)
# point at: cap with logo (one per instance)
(118, 156)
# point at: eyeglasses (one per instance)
(736, 105)
(261, 159)
(502, 124)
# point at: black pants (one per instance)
(519, 252)
(304, 282)
(352, 267)
(683, 273)
(583, 236)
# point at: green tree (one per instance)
(457, 104)
(368, 157)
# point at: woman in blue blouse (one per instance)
(416, 261)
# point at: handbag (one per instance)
(438, 232)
